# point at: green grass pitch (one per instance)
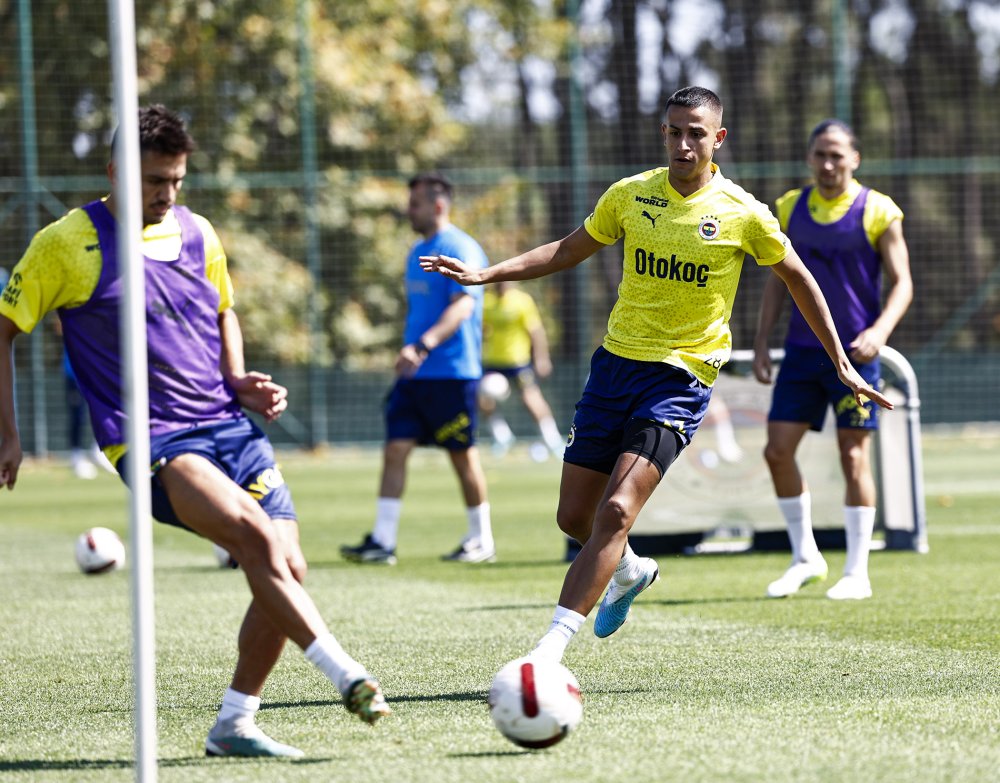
(708, 682)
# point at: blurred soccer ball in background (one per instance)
(99, 551)
(494, 386)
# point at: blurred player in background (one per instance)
(845, 234)
(687, 230)
(515, 346)
(213, 470)
(433, 402)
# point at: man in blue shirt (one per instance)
(433, 401)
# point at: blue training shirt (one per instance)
(428, 295)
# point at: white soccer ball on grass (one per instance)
(535, 703)
(99, 551)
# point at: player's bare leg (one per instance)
(613, 503)
(478, 545)
(379, 546)
(795, 504)
(260, 642)
(395, 456)
(628, 489)
(213, 505)
(580, 493)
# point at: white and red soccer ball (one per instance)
(534, 702)
(99, 550)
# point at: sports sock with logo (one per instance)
(629, 568)
(565, 624)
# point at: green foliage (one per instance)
(391, 82)
(272, 291)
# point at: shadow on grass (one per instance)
(57, 765)
(404, 699)
(491, 754)
(723, 600)
(501, 564)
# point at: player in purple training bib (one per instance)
(213, 470)
(846, 234)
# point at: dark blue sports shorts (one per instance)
(808, 383)
(238, 448)
(433, 412)
(619, 390)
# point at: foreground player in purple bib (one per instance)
(213, 470)
(845, 234)
(686, 231)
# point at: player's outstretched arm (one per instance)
(543, 260)
(770, 310)
(255, 390)
(10, 442)
(811, 303)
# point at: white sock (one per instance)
(500, 430)
(629, 568)
(551, 436)
(480, 526)
(238, 708)
(797, 512)
(565, 624)
(329, 657)
(859, 521)
(387, 511)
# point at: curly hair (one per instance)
(161, 130)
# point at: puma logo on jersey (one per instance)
(652, 219)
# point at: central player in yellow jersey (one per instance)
(687, 230)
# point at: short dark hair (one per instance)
(435, 182)
(161, 130)
(833, 124)
(693, 98)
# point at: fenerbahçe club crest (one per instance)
(708, 229)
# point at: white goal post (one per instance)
(720, 485)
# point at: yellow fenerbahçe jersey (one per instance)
(880, 210)
(682, 264)
(508, 322)
(62, 266)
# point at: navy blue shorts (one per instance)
(619, 390)
(807, 384)
(522, 377)
(238, 448)
(433, 412)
